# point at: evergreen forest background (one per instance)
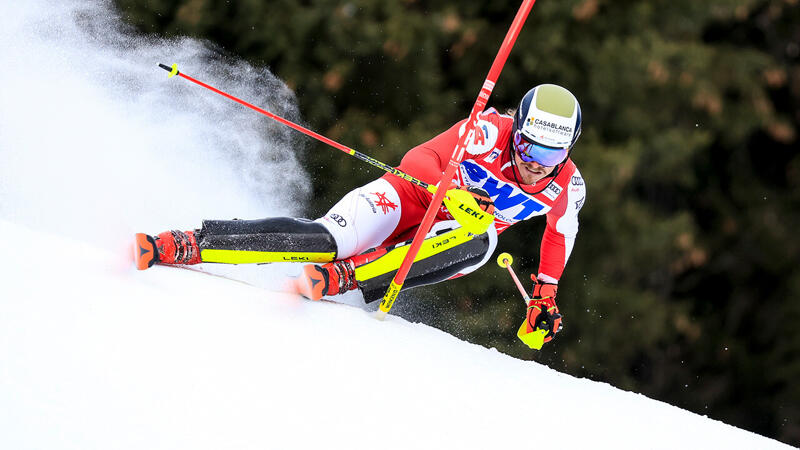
(684, 284)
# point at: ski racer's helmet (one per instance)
(546, 125)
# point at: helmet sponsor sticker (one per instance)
(549, 129)
(540, 124)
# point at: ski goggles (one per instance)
(542, 154)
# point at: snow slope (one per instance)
(96, 143)
(97, 356)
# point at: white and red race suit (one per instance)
(389, 210)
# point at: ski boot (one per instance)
(333, 278)
(170, 247)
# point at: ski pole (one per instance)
(534, 339)
(461, 204)
(455, 159)
(505, 260)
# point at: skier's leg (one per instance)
(448, 251)
(363, 218)
(275, 239)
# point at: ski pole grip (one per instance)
(504, 259)
(172, 70)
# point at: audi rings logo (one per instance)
(339, 220)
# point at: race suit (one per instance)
(388, 210)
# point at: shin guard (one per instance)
(441, 257)
(277, 239)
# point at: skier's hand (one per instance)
(481, 197)
(471, 206)
(543, 320)
(485, 202)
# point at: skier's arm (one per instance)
(428, 160)
(559, 236)
(554, 252)
(561, 231)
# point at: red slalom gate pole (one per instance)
(455, 159)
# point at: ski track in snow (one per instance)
(96, 143)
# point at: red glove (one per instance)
(543, 320)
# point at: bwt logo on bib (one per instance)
(507, 199)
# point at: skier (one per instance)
(516, 167)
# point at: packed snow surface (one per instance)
(95, 144)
